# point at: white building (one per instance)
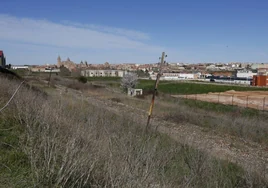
(52, 70)
(177, 76)
(19, 67)
(103, 73)
(245, 74)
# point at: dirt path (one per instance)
(249, 155)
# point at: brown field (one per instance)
(249, 99)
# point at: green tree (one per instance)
(82, 79)
(64, 71)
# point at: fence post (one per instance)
(219, 98)
(247, 101)
(232, 100)
(263, 104)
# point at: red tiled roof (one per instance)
(1, 52)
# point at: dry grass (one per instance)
(235, 123)
(73, 144)
(243, 123)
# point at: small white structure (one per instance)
(134, 92)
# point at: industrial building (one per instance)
(260, 80)
(2, 59)
(229, 80)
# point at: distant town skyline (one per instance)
(34, 32)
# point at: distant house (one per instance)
(2, 59)
(262, 71)
(257, 66)
(211, 67)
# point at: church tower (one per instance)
(59, 61)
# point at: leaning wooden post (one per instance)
(49, 77)
(155, 90)
(263, 104)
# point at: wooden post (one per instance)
(219, 98)
(247, 101)
(263, 104)
(155, 90)
(49, 77)
(232, 100)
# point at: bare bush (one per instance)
(73, 84)
(129, 80)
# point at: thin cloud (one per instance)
(136, 35)
(45, 32)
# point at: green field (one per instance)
(222, 108)
(171, 87)
(104, 79)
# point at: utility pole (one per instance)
(155, 89)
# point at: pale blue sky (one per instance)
(36, 32)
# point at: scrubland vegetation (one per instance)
(243, 123)
(60, 141)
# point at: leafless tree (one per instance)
(129, 80)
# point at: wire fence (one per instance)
(6, 105)
(247, 101)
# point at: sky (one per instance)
(121, 31)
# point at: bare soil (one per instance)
(249, 99)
